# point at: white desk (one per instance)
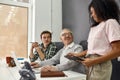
(11, 73)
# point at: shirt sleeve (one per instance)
(70, 63)
(54, 60)
(113, 30)
(52, 51)
(36, 56)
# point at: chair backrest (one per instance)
(59, 45)
(84, 44)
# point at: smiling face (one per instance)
(66, 36)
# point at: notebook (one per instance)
(53, 74)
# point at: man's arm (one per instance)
(70, 63)
(54, 60)
(33, 54)
(41, 54)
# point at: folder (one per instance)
(53, 74)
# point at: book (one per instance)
(53, 74)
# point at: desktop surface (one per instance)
(12, 73)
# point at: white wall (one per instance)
(48, 16)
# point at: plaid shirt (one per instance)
(49, 52)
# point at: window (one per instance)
(15, 28)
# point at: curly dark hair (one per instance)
(105, 9)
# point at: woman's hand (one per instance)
(81, 54)
(88, 62)
(72, 54)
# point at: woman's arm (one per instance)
(115, 52)
(80, 54)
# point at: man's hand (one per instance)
(38, 49)
(48, 68)
(35, 64)
(35, 44)
(41, 54)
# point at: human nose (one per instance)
(68, 35)
(46, 38)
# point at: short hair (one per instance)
(66, 29)
(46, 32)
(105, 9)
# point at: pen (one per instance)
(47, 69)
(32, 42)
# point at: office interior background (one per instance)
(22, 21)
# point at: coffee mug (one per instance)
(8, 59)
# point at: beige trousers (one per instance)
(100, 71)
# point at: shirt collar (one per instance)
(70, 45)
(43, 45)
